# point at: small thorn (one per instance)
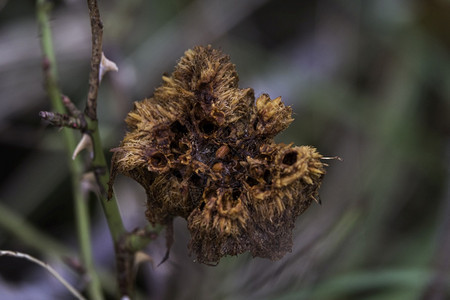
(142, 257)
(89, 183)
(85, 143)
(106, 65)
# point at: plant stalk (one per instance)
(81, 209)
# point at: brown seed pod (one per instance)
(203, 149)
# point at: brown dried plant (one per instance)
(203, 150)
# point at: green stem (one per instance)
(124, 258)
(110, 207)
(81, 209)
(83, 233)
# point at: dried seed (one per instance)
(222, 151)
(217, 167)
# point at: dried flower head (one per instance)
(203, 150)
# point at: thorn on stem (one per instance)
(106, 65)
(85, 143)
(142, 257)
(89, 184)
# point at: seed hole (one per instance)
(251, 181)
(210, 194)
(183, 147)
(177, 174)
(195, 179)
(226, 132)
(207, 127)
(255, 124)
(290, 158)
(267, 177)
(158, 160)
(235, 195)
(177, 128)
(174, 146)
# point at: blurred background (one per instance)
(368, 81)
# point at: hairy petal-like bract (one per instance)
(203, 150)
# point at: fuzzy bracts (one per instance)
(203, 150)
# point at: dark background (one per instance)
(368, 81)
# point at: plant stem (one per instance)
(99, 164)
(124, 257)
(110, 207)
(81, 208)
(97, 38)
